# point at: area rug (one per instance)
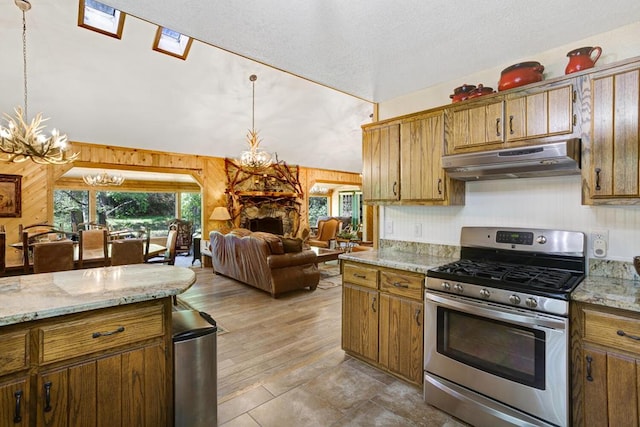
(183, 305)
(330, 276)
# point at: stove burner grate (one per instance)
(519, 275)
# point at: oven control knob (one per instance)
(514, 299)
(485, 293)
(458, 288)
(531, 302)
(541, 239)
(446, 286)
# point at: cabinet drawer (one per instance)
(612, 330)
(401, 284)
(14, 351)
(359, 275)
(100, 331)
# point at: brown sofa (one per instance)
(263, 260)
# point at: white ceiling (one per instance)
(378, 50)
(120, 92)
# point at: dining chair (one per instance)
(92, 246)
(127, 251)
(52, 256)
(169, 256)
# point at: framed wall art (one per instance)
(10, 196)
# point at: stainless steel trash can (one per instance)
(195, 369)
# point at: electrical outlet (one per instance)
(599, 243)
(388, 227)
(417, 230)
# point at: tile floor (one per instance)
(337, 390)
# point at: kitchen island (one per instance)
(89, 347)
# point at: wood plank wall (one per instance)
(39, 181)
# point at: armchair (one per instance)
(327, 230)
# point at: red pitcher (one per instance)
(582, 58)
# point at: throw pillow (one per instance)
(273, 241)
(291, 245)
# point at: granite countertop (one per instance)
(408, 261)
(609, 292)
(619, 289)
(38, 296)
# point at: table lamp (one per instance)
(221, 215)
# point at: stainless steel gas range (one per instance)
(497, 327)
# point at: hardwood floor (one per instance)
(267, 337)
(281, 363)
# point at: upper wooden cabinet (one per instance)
(610, 164)
(532, 115)
(402, 162)
(477, 125)
(421, 175)
(381, 163)
(539, 114)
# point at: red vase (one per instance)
(582, 58)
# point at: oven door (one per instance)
(515, 356)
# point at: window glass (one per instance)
(129, 210)
(191, 209)
(351, 206)
(100, 17)
(172, 43)
(318, 206)
(70, 207)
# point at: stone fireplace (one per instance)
(272, 193)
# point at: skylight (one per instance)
(172, 43)
(100, 17)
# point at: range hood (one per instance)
(559, 158)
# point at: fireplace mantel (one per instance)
(267, 194)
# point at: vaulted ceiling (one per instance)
(320, 65)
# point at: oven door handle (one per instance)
(496, 312)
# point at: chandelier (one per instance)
(254, 157)
(103, 179)
(21, 140)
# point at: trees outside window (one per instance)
(127, 210)
(318, 206)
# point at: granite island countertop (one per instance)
(38, 296)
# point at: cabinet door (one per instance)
(360, 321)
(381, 163)
(124, 389)
(541, 114)
(421, 148)
(401, 336)
(478, 126)
(610, 388)
(14, 403)
(595, 387)
(613, 172)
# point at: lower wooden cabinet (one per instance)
(606, 366)
(14, 401)
(113, 369)
(382, 318)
